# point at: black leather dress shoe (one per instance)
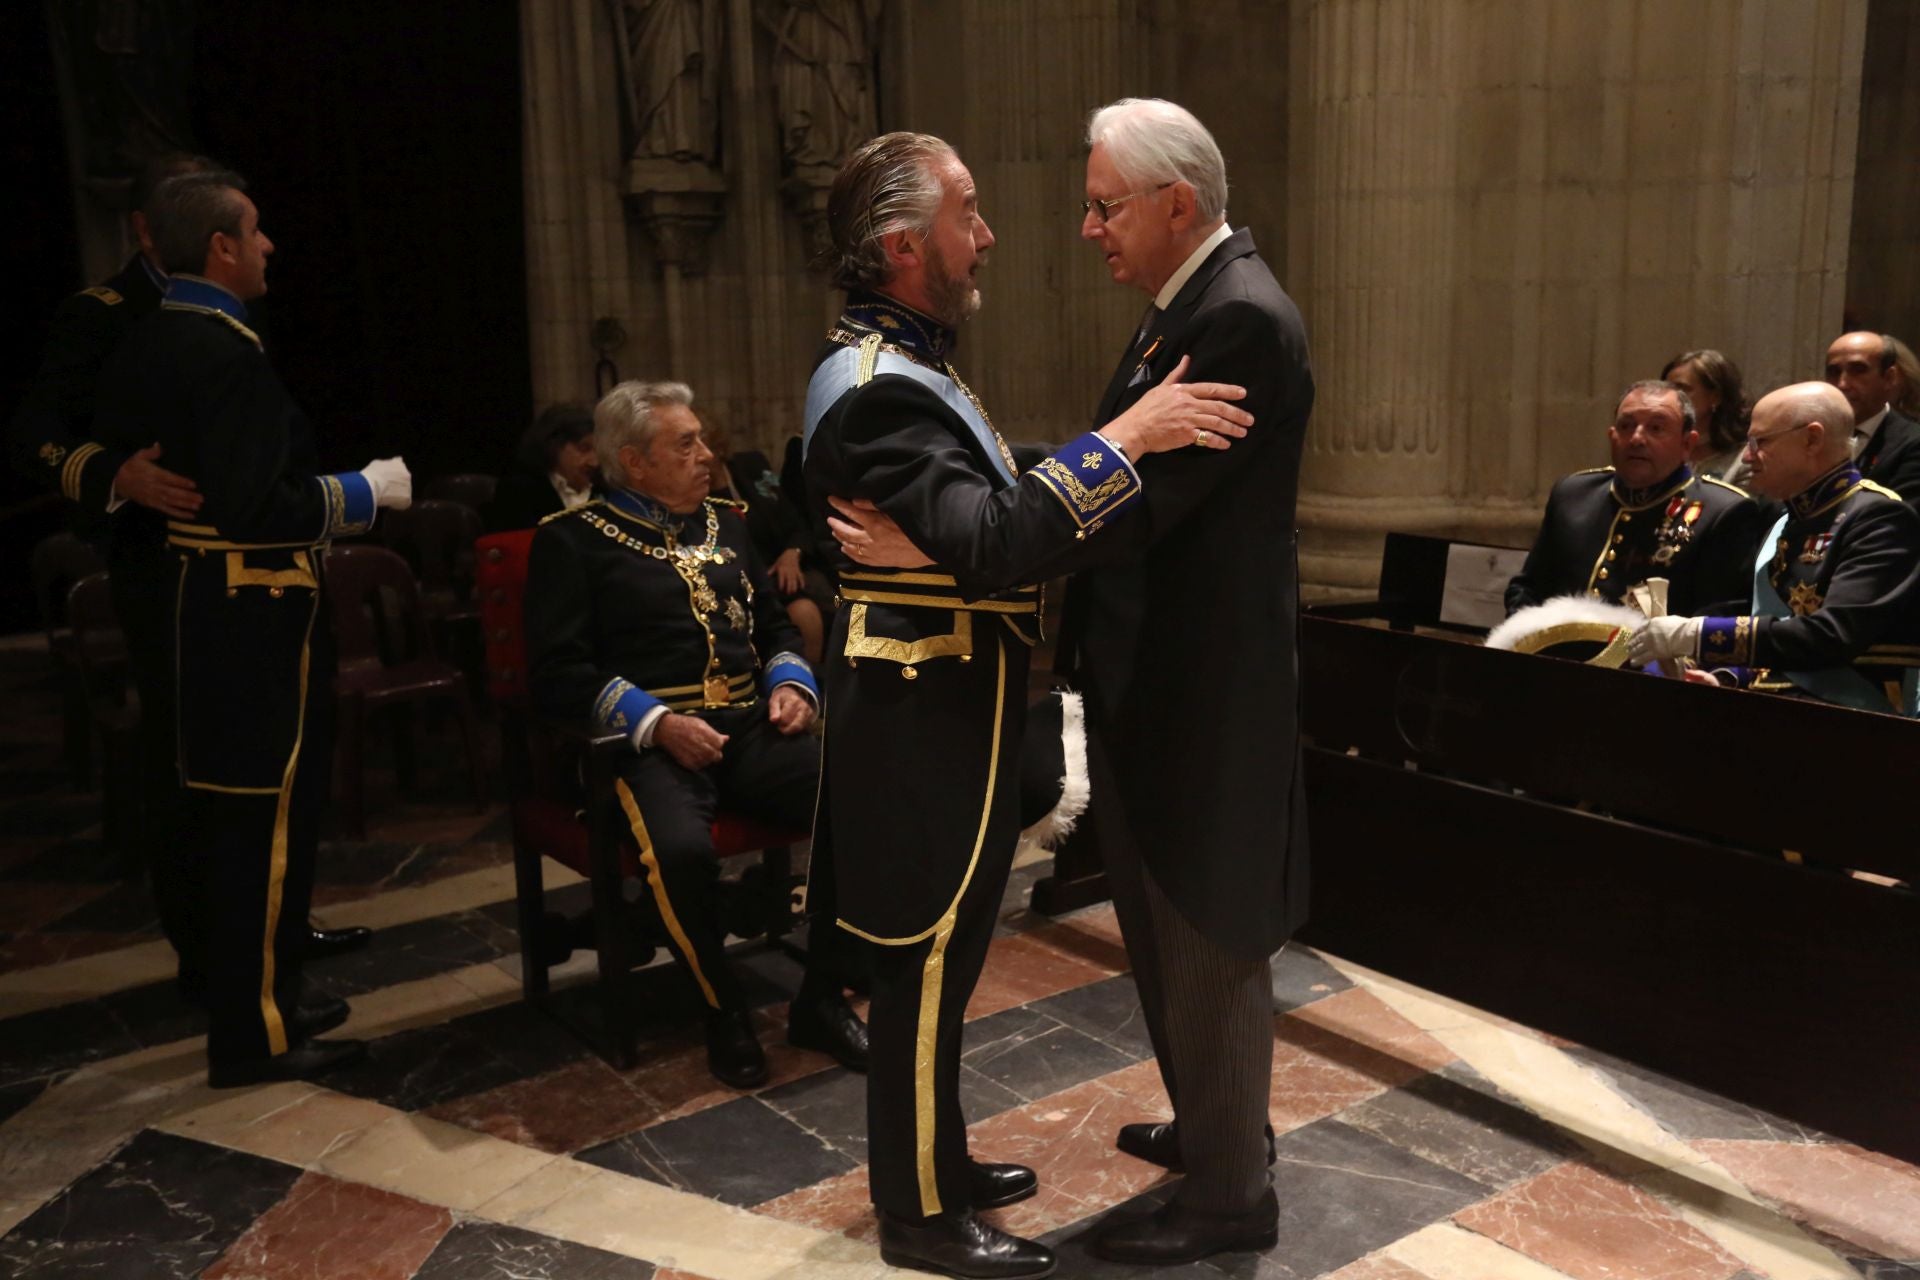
(994, 1186)
(962, 1244)
(733, 1051)
(322, 943)
(828, 1024)
(1175, 1234)
(303, 1061)
(1160, 1144)
(315, 1016)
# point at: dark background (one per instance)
(382, 145)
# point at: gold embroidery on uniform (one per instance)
(72, 473)
(1081, 501)
(109, 296)
(1019, 607)
(862, 645)
(51, 453)
(652, 865)
(1091, 460)
(869, 356)
(1804, 598)
(240, 575)
(277, 875)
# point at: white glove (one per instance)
(1667, 637)
(391, 482)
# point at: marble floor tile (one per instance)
(740, 1153)
(1025, 967)
(1067, 1139)
(1319, 1071)
(1690, 1112)
(1344, 1193)
(402, 953)
(295, 1122)
(1301, 976)
(981, 1097)
(428, 1065)
(1073, 1245)
(1092, 934)
(15, 1096)
(161, 1206)
(50, 1041)
(28, 951)
(1858, 1196)
(569, 1109)
(1593, 1227)
(125, 908)
(1378, 1266)
(842, 1205)
(26, 906)
(489, 1251)
(433, 1162)
(1108, 1010)
(1373, 1028)
(831, 1105)
(1447, 1251)
(1033, 1056)
(1459, 1121)
(326, 1229)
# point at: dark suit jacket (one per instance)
(1185, 643)
(1892, 457)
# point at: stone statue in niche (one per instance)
(671, 52)
(823, 79)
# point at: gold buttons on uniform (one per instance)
(276, 592)
(1611, 554)
(909, 673)
(1603, 575)
(1618, 538)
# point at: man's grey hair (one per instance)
(624, 417)
(185, 211)
(1152, 141)
(887, 185)
(1659, 387)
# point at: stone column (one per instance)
(577, 248)
(1503, 213)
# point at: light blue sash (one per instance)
(1841, 685)
(838, 373)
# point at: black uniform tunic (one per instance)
(629, 609)
(926, 698)
(1836, 605)
(1600, 538)
(252, 648)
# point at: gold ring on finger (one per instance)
(1201, 436)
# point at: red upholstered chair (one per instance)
(387, 661)
(559, 779)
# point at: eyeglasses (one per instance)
(1754, 444)
(1106, 207)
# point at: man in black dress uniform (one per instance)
(1205, 849)
(927, 668)
(252, 648)
(1646, 516)
(1835, 609)
(1886, 443)
(650, 612)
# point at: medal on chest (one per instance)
(1676, 529)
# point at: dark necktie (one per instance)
(1146, 323)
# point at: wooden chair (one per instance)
(99, 654)
(469, 488)
(56, 564)
(387, 660)
(560, 781)
(437, 539)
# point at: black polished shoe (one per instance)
(733, 1051)
(995, 1186)
(1160, 1144)
(1174, 1234)
(322, 943)
(315, 1016)
(962, 1244)
(828, 1024)
(305, 1060)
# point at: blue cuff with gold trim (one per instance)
(620, 706)
(1726, 642)
(349, 503)
(1093, 480)
(790, 668)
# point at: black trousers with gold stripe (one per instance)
(763, 774)
(252, 858)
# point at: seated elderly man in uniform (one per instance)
(1835, 609)
(1646, 516)
(649, 611)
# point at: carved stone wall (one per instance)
(1883, 265)
(1503, 214)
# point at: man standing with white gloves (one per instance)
(253, 655)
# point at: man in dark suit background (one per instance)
(1886, 443)
(1184, 647)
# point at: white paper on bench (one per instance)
(1475, 591)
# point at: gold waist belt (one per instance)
(204, 537)
(932, 591)
(711, 693)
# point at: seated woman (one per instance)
(553, 469)
(779, 532)
(1712, 382)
